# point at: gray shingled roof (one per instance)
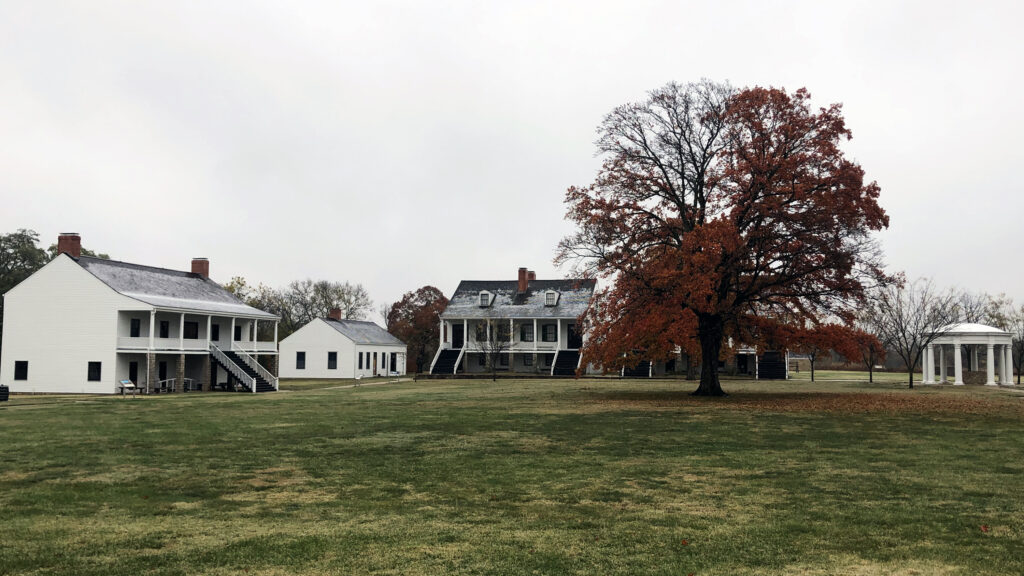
(574, 297)
(165, 288)
(362, 332)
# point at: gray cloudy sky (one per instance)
(399, 144)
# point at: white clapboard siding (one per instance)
(318, 338)
(60, 319)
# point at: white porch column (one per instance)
(152, 328)
(958, 368)
(209, 323)
(255, 331)
(275, 334)
(558, 331)
(1001, 362)
(465, 334)
(536, 335)
(181, 332)
(942, 363)
(990, 365)
(440, 332)
(231, 335)
(929, 366)
(1008, 355)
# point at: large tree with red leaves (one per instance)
(720, 213)
(415, 320)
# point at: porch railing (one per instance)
(255, 365)
(233, 368)
(250, 346)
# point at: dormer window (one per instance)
(550, 298)
(485, 298)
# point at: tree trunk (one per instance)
(910, 375)
(709, 331)
(812, 368)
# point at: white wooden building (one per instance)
(535, 320)
(335, 348)
(84, 325)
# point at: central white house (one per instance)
(85, 325)
(524, 325)
(335, 348)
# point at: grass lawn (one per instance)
(517, 477)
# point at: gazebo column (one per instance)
(958, 367)
(929, 365)
(972, 352)
(1001, 363)
(1008, 355)
(942, 363)
(990, 365)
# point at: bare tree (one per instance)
(1015, 325)
(385, 312)
(907, 317)
(980, 308)
(497, 341)
(308, 300)
(969, 307)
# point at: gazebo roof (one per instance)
(972, 329)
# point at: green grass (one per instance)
(517, 477)
(853, 376)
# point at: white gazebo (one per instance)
(969, 338)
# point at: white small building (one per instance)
(335, 348)
(85, 325)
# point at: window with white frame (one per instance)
(550, 298)
(485, 299)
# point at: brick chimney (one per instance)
(334, 314)
(531, 276)
(69, 243)
(524, 283)
(201, 266)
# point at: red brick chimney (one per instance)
(69, 243)
(523, 281)
(334, 314)
(201, 266)
(531, 276)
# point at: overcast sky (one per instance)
(399, 144)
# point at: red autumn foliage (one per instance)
(415, 320)
(720, 213)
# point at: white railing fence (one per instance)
(233, 368)
(255, 365)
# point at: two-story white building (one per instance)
(84, 325)
(524, 326)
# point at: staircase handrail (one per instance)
(458, 361)
(233, 368)
(554, 362)
(434, 361)
(257, 367)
